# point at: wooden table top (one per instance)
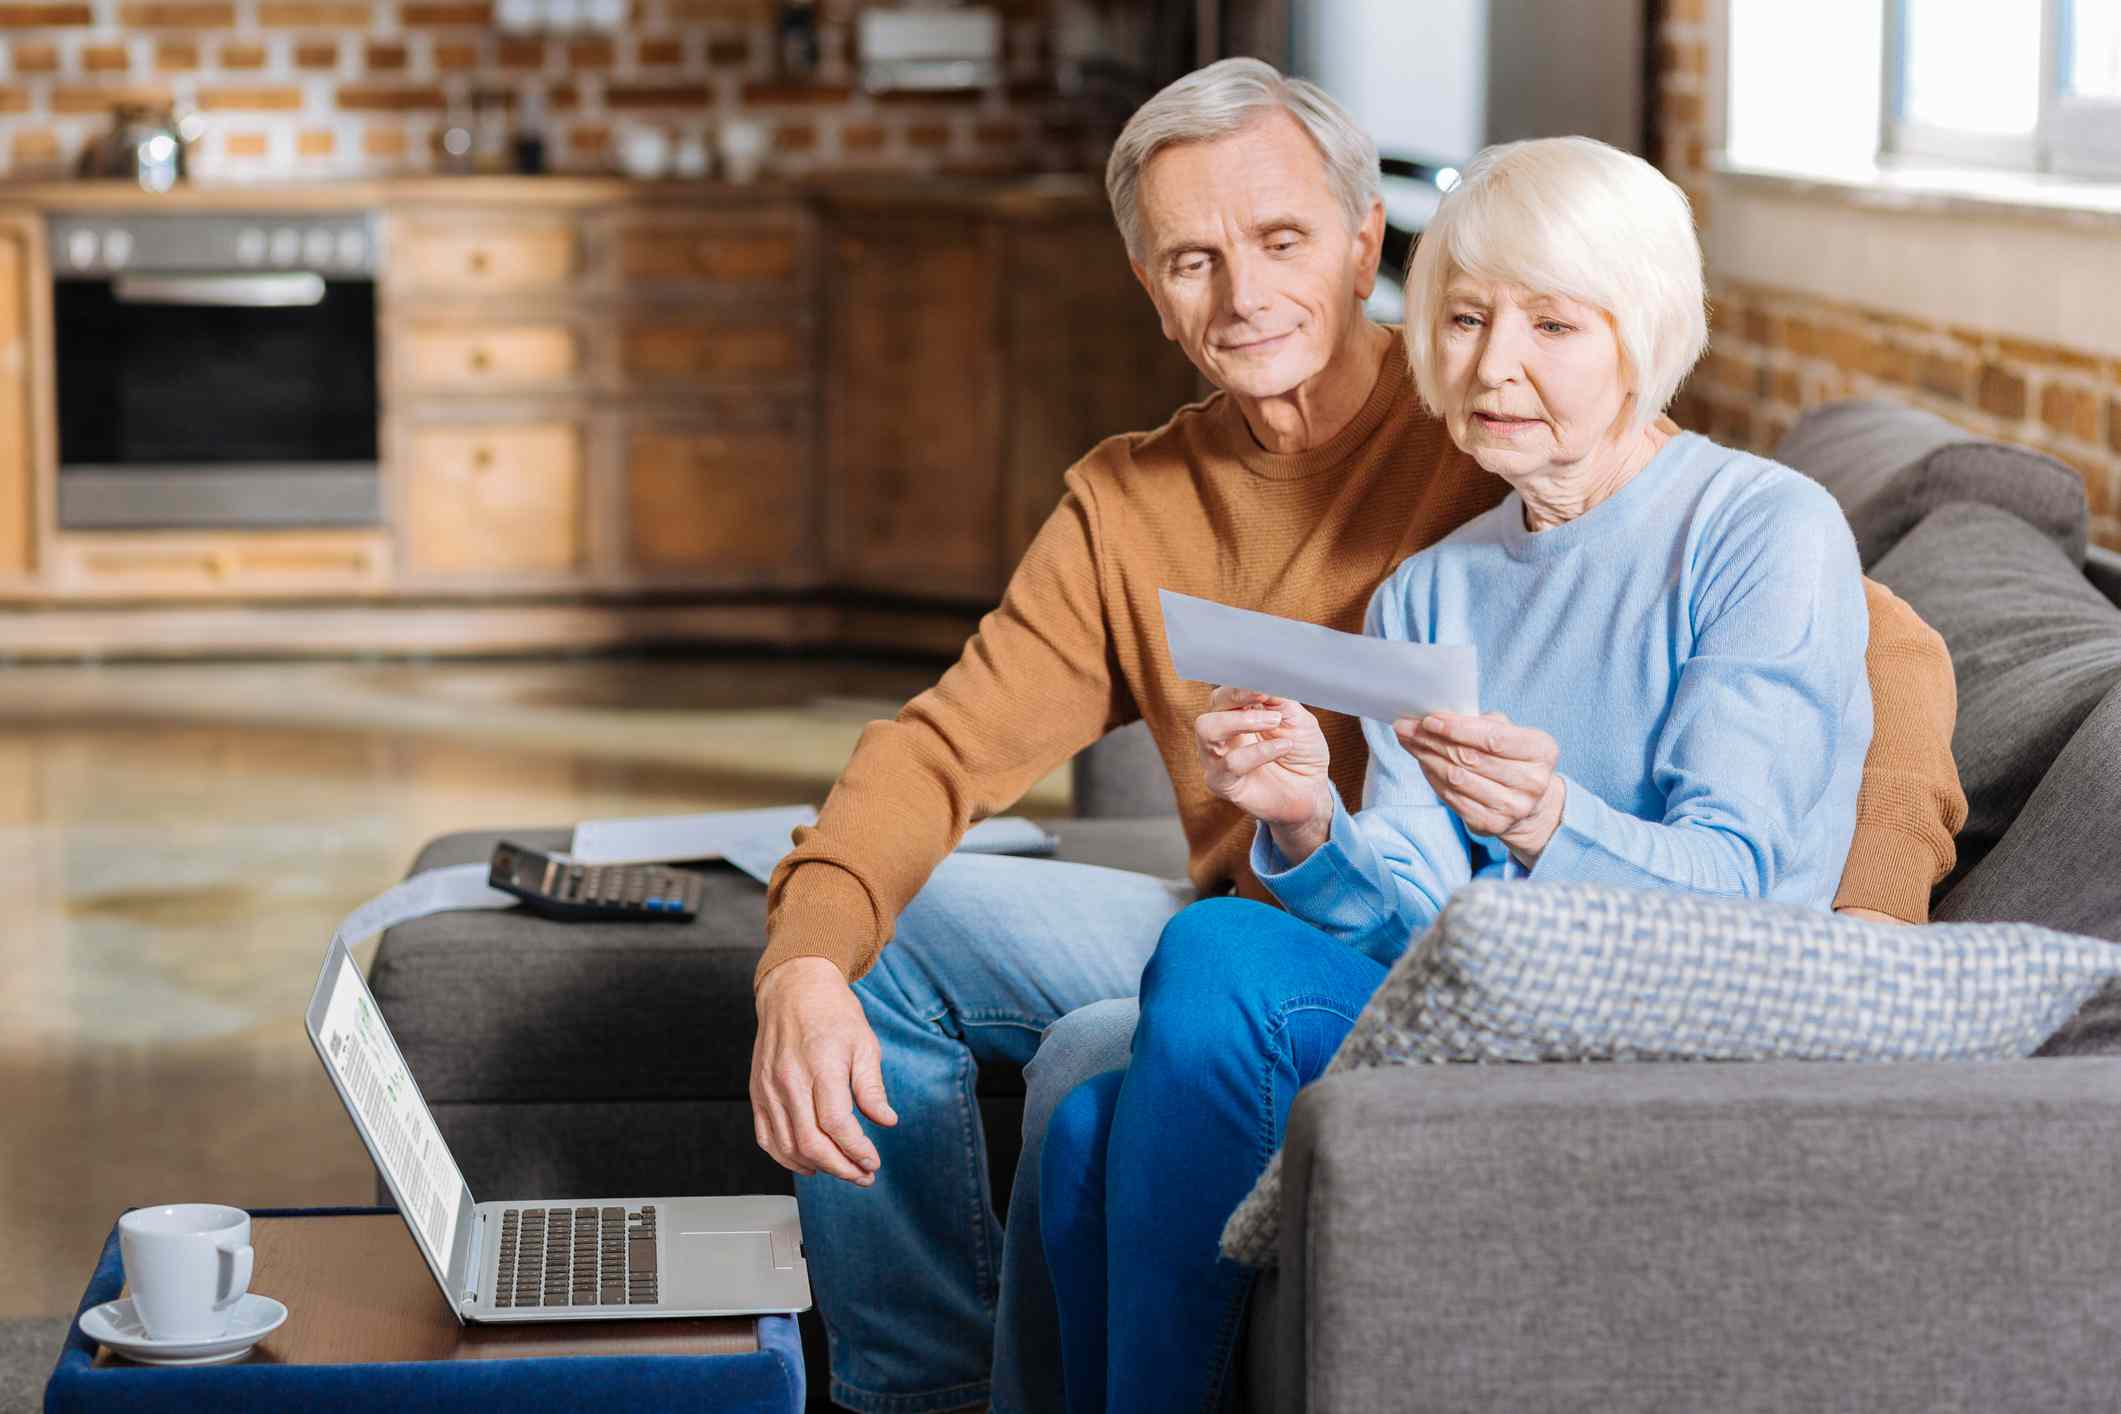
(358, 1292)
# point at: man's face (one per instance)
(1249, 258)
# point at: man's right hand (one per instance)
(816, 1059)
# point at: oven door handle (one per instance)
(288, 290)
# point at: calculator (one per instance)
(580, 893)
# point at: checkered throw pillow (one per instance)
(1536, 972)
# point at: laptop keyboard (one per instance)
(577, 1257)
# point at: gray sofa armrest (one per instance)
(1737, 1237)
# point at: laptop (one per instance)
(601, 1259)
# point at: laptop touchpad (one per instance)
(722, 1268)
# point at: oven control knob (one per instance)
(117, 248)
(250, 246)
(316, 249)
(81, 249)
(353, 249)
(286, 245)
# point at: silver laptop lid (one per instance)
(365, 1067)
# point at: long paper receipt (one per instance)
(1318, 666)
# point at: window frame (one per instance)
(2071, 136)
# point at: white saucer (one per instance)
(117, 1325)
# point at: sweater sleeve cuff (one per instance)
(1888, 872)
(1570, 848)
(820, 910)
(1328, 888)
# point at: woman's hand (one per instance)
(1268, 756)
(1499, 778)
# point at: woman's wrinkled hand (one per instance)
(1497, 776)
(1268, 756)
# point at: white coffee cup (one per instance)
(644, 152)
(742, 144)
(187, 1264)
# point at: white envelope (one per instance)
(1318, 666)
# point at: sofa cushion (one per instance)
(503, 1007)
(2056, 867)
(1889, 466)
(1535, 972)
(2034, 649)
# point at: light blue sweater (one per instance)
(1695, 646)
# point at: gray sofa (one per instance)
(1727, 1237)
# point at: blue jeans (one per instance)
(928, 1303)
(1241, 1006)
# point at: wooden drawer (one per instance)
(477, 260)
(695, 252)
(692, 351)
(708, 503)
(172, 564)
(493, 499)
(500, 357)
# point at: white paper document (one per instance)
(664, 839)
(456, 886)
(1004, 834)
(1318, 666)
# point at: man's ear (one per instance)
(1369, 250)
(1141, 277)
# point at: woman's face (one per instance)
(1531, 384)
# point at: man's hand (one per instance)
(1499, 778)
(1268, 756)
(814, 1060)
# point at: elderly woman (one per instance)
(1673, 633)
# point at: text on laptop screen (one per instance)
(407, 1145)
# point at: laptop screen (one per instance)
(401, 1134)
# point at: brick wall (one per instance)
(304, 88)
(1774, 353)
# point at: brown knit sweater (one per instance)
(1076, 648)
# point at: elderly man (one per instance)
(1251, 212)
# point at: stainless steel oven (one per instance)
(216, 369)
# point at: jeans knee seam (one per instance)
(978, 1217)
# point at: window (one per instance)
(2029, 84)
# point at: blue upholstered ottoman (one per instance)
(383, 1305)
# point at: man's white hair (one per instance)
(1570, 216)
(1224, 98)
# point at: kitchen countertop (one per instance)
(1029, 195)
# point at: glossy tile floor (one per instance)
(176, 843)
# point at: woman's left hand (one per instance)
(1498, 777)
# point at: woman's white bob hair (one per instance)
(1570, 216)
(1223, 99)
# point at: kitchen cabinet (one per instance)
(489, 358)
(24, 365)
(1083, 358)
(915, 417)
(676, 351)
(724, 500)
(496, 500)
(619, 413)
(749, 255)
(162, 564)
(973, 361)
(476, 255)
